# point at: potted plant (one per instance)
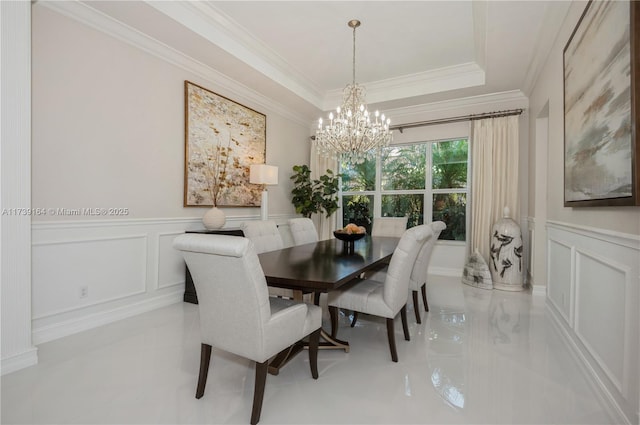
(314, 195)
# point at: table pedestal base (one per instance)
(278, 361)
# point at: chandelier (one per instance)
(353, 134)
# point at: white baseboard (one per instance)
(539, 290)
(19, 361)
(70, 327)
(613, 409)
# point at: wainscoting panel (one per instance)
(601, 286)
(560, 277)
(90, 273)
(170, 262)
(593, 296)
(86, 272)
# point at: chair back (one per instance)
(389, 226)
(421, 265)
(264, 234)
(396, 285)
(303, 230)
(233, 299)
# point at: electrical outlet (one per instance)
(84, 291)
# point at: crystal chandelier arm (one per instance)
(353, 135)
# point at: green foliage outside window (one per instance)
(404, 168)
(403, 205)
(451, 208)
(449, 164)
(358, 177)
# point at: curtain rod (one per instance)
(471, 117)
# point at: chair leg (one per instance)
(392, 340)
(314, 342)
(205, 357)
(416, 306)
(405, 327)
(424, 297)
(258, 392)
(333, 313)
(355, 319)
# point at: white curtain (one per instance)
(319, 165)
(494, 180)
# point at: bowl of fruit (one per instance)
(351, 232)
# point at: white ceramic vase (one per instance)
(506, 252)
(214, 219)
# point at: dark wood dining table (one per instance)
(321, 267)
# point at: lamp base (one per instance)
(264, 206)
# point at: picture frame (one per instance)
(601, 76)
(222, 139)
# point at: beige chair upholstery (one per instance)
(384, 299)
(265, 237)
(419, 272)
(389, 226)
(236, 313)
(418, 280)
(264, 234)
(303, 230)
(385, 226)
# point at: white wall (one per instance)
(590, 254)
(108, 125)
(108, 131)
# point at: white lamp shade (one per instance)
(263, 174)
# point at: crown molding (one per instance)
(507, 99)
(212, 24)
(428, 82)
(546, 38)
(97, 20)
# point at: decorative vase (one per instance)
(506, 254)
(476, 272)
(214, 219)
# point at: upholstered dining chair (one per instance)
(384, 226)
(265, 237)
(236, 313)
(303, 230)
(384, 299)
(264, 234)
(389, 226)
(418, 280)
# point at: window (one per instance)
(415, 180)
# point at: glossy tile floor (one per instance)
(479, 357)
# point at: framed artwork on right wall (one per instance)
(601, 76)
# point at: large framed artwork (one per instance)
(222, 139)
(600, 107)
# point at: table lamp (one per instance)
(263, 174)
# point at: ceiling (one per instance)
(407, 52)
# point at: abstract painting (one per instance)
(599, 108)
(222, 139)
